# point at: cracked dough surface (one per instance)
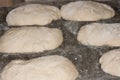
(110, 62)
(86, 11)
(44, 68)
(100, 34)
(30, 39)
(33, 14)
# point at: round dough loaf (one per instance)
(110, 62)
(86, 11)
(100, 34)
(33, 14)
(44, 68)
(30, 39)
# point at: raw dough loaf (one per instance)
(110, 62)
(45, 68)
(100, 34)
(30, 39)
(33, 14)
(86, 11)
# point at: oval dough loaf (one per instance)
(100, 34)
(44, 68)
(30, 39)
(110, 62)
(86, 11)
(33, 14)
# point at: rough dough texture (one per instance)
(44, 68)
(30, 39)
(100, 34)
(110, 62)
(86, 11)
(33, 14)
